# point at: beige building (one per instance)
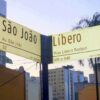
(56, 80)
(88, 92)
(61, 80)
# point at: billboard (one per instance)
(75, 45)
(19, 40)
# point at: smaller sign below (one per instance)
(75, 45)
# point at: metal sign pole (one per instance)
(96, 76)
(46, 58)
(45, 86)
(44, 95)
(41, 98)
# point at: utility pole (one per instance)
(96, 78)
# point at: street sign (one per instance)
(75, 45)
(19, 40)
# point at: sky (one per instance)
(50, 16)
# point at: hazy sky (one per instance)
(50, 16)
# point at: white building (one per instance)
(33, 88)
(62, 81)
(78, 77)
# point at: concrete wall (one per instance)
(88, 93)
(11, 84)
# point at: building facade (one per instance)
(62, 81)
(3, 7)
(33, 90)
(3, 10)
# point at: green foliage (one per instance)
(89, 22)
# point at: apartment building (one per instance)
(33, 90)
(62, 81)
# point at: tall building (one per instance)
(62, 81)
(33, 88)
(78, 76)
(78, 82)
(3, 14)
(3, 57)
(3, 8)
